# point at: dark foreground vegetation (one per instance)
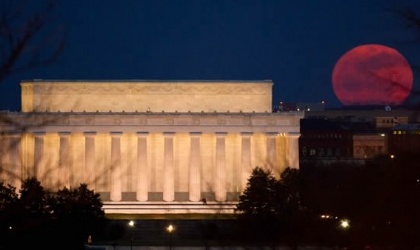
(380, 201)
(33, 218)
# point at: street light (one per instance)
(131, 225)
(344, 224)
(170, 229)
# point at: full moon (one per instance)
(372, 75)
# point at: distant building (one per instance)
(285, 107)
(319, 106)
(366, 146)
(343, 135)
(324, 141)
(381, 118)
(404, 138)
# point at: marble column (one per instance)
(142, 167)
(90, 160)
(64, 160)
(293, 154)
(220, 174)
(39, 170)
(168, 171)
(116, 191)
(27, 155)
(16, 161)
(246, 168)
(195, 167)
(4, 147)
(271, 150)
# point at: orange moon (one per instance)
(372, 74)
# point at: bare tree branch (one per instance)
(26, 40)
(408, 13)
(410, 17)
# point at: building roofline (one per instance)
(41, 81)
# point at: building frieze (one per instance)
(150, 120)
(151, 88)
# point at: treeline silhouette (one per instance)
(34, 218)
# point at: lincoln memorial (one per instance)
(148, 147)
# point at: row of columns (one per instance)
(194, 167)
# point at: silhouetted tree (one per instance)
(37, 218)
(33, 197)
(290, 178)
(8, 196)
(29, 217)
(258, 196)
(258, 207)
(269, 209)
(78, 213)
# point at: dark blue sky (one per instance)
(294, 43)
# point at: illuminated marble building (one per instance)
(148, 147)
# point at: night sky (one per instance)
(293, 43)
